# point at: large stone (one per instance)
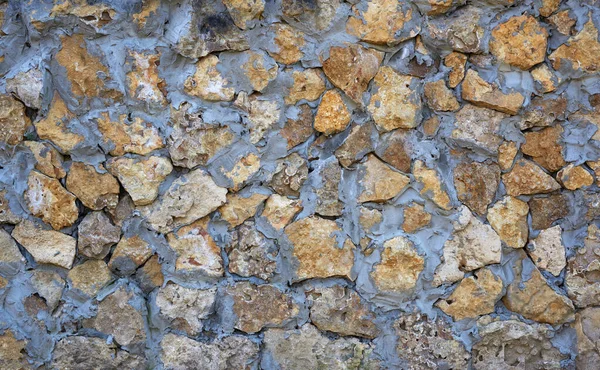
(476, 184)
(290, 174)
(508, 217)
(123, 135)
(327, 189)
(544, 211)
(97, 235)
(472, 245)
(358, 143)
(580, 52)
(207, 82)
(144, 81)
(582, 278)
(288, 43)
(47, 199)
(384, 22)
(46, 246)
(307, 85)
(586, 327)
(131, 253)
(456, 62)
(544, 147)
(13, 120)
(432, 185)
(474, 296)
(80, 352)
(351, 67)
(48, 160)
(521, 41)
(396, 149)
(439, 97)
(239, 208)
(95, 190)
(478, 91)
(380, 182)
(250, 253)
(341, 310)
(395, 102)
(530, 295)
(574, 177)
(189, 198)
(547, 250)
(478, 128)
(332, 115)
(462, 31)
(244, 11)
(55, 126)
(318, 252)
(279, 211)
(185, 308)
(527, 178)
(399, 268)
(89, 277)
(141, 177)
(299, 127)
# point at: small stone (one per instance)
(97, 235)
(80, 352)
(244, 11)
(520, 41)
(11, 259)
(125, 135)
(580, 52)
(586, 326)
(380, 182)
(383, 22)
(317, 250)
(96, 15)
(476, 184)
(250, 253)
(546, 80)
(28, 87)
(207, 82)
(439, 97)
(141, 177)
(288, 43)
(144, 81)
(329, 176)
(46, 246)
(484, 94)
(129, 254)
(527, 178)
(262, 116)
(351, 67)
(474, 296)
(308, 85)
(547, 250)
(243, 170)
(290, 174)
(47, 199)
(185, 308)
(280, 211)
(95, 190)
(548, 7)
(415, 218)
(432, 185)
(259, 69)
(55, 126)
(399, 268)
(239, 208)
(396, 149)
(544, 147)
(581, 279)
(196, 250)
(48, 160)
(12, 352)
(341, 310)
(233, 352)
(368, 218)
(49, 285)
(260, 306)
(472, 245)
(544, 211)
(150, 276)
(299, 129)
(574, 177)
(332, 115)
(478, 128)
(506, 154)
(395, 103)
(508, 217)
(189, 198)
(7, 216)
(13, 120)
(456, 62)
(358, 143)
(563, 22)
(530, 295)
(462, 32)
(90, 277)
(123, 211)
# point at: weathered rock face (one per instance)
(581, 280)
(432, 185)
(544, 211)
(477, 128)
(415, 218)
(580, 52)
(95, 190)
(307, 85)
(508, 217)
(46, 246)
(439, 97)
(56, 128)
(251, 253)
(97, 235)
(396, 149)
(574, 177)
(380, 182)
(332, 116)
(13, 121)
(399, 268)
(358, 143)
(90, 352)
(89, 277)
(242, 171)
(479, 92)
(520, 41)
(545, 148)
(279, 211)
(476, 184)
(288, 43)
(298, 130)
(290, 174)
(141, 177)
(547, 250)
(462, 31)
(185, 307)
(527, 178)
(456, 61)
(129, 254)
(123, 135)
(47, 199)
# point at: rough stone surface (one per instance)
(81, 352)
(380, 182)
(185, 307)
(581, 279)
(508, 217)
(208, 83)
(520, 41)
(280, 211)
(56, 128)
(47, 199)
(240, 208)
(396, 149)
(358, 143)
(89, 277)
(96, 190)
(288, 44)
(432, 185)
(97, 235)
(580, 52)
(477, 128)
(439, 97)
(506, 154)
(290, 174)
(141, 177)
(476, 184)
(478, 91)
(332, 116)
(545, 148)
(129, 254)
(128, 135)
(48, 160)
(415, 218)
(13, 121)
(527, 178)
(456, 62)
(547, 250)
(574, 177)
(544, 211)
(586, 327)
(46, 246)
(250, 253)
(399, 268)
(307, 85)
(298, 130)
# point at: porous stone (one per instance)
(332, 115)
(185, 308)
(432, 185)
(307, 85)
(580, 52)
(145, 83)
(239, 208)
(288, 44)
(300, 128)
(243, 170)
(396, 149)
(415, 218)
(12, 350)
(547, 250)
(129, 254)
(141, 177)
(506, 154)
(81, 352)
(479, 92)
(290, 174)
(279, 211)
(263, 115)
(521, 41)
(476, 184)
(358, 143)
(544, 211)
(586, 328)
(527, 178)
(546, 80)
(89, 277)
(48, 160)
(399, 268)
(574, 177)
(207, 82)
(462, 31)
(380, 182)
(328, 202)
(564, 23)
(477, 128)
(244, 11)
(250, 253)
(96, 190)
(97, 235)
(7, 216)
(123, 135)
(317, 15)
(13, 120)
(439, 97)
(456, 62)
(47, 199)
(56, 126)
(46, 246)
(545, 147)
(581, 279)
(508, 217)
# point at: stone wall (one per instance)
(299, 184)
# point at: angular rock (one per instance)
(477, 128)
(307, 85)
(7, 216)
(290, 174)
(141, 177)
(13, 120)
(288, 43)
(581, 279)
(358, 143)
(399, 268)
(97, 235)
(80, 352)
(317, 250)
(332, 115)
(47, 199)
(484, 94)
(263, 115)
(580, 52)
(394, 103)
(145, 83)
(547, 250)
(129, 254)
(508, 217)
(329, 176)
(48, 285)
(298, 130)
(55, 126)
(251, 253)
(474, 296)
(380, 182)
(149, 8)
(462, 31)
(548, 7)
(95, 190)
(432, 185)
(456, 62)
(506, 154)
(279, 211)
(472, 245)
(574, 177)
(259, 69)
(240, 208)
(185, 308)
(207, 82)
(564, 23)
(476, 184)
(521, 41)
(544, 147)
(124, 135)
(243, 170)
(12, 352)
(11, 259)
(527, 178)
(544, 211)
(46, 246)
(150, 276)
(243, 12)
(89, 277)
(439, 97)
(586, 327)
(415, 218)
(546, 80)
(396, 149)
(27, 86)
(48, 160)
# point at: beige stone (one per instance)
(520, 41)
(527, 178)
(128, 136)
(13, 120)
(439, 97)
(358, 142)
(332, 115)
(49, 285)
(462, 32)
(438, 7)
(327, 190)
(263, 115)
(259, 68)
(96, 235)
(47, 199)
(28, 87)
(432, 185)
(580, 52)
(545, 78)
(207, 82)
(92, 352)
(12, 352)
(48, 160)
(186, 308)
(581, 279)
(548, 7)
(545, 148)
(380, 182)
(141, 177)
(6, 214)
(55, 126)
(95, 190)
(476, 184)
(484, 94)
(415, 218)
(46, 246)
(506, 154)
(280, 211)
(508, 217)
(544, 111)
(574, 177)
(144, 81)
(129, 254)
(243, 170)
(244, 11)
(586, 327)
(239, 208)
(563, 22)
(288, 43)
(547, 250)
(456, 62)
(89, 277)
(399, 268)
(477, 128)
(307, 85)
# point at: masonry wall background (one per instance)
(299, 184)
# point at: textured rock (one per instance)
(574, 177)
(581, 279)
(48, 285)
(456, 62)
(262, 115)
(141, 177)
(415, 218)
(544, 147)
(520, 41)
(185, 308)
(564, 23)
(46, 246)
(242, 171)
(47, 199)
(358, 143)
(328, 202)
(80, 352)
(527, 178)
(350, 68)
(474, 296)
(506, 154)
(298, 130)
(97, 235)
(150, 276)
(544, 111)
(318, 252)
(380, 182)
(207, 82)
(477, 128)
(544, 211)
(129, 254)
(439, 97)
(251, 253)
(280, 211)
(239, 208)
(260, 69)
(476, 184)
(432, 185)
(27, 86)
(399, 268)
(484, 94)
(95, 190)
(395, 103)
(546, 80)
(89, 277)
(307, 85)
(290, 174)
(508, 217)
(472, 245)
(124, 135)
(144, 81)
(12, 351)
(288, 43)
(332, 116)
(396, 149)
(586, 327)
(547, 250)
(580, 52)
(244, 11)
(48, 160)
(317, 15)
(56, 126)
(341, 310)
(13, 121)
(462, 32)
(11, 259)
(6, 214)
